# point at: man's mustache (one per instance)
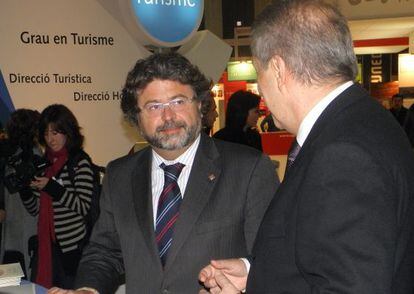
(170, 125)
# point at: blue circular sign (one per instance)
(170, 22)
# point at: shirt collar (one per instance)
(186, 158)
(310, 119)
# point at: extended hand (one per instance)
(224, 286)
(224, 276)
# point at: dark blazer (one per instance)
(229, 188)
(342, 220)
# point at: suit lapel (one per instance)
(142, 198)
(350, 96)
(204, 175)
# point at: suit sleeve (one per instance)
(101, 265)
(263, 184)
(346, 222)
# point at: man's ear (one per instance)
(278, 68)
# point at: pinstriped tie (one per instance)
(168, 208)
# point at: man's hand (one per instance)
(56, 290)
(226, 276)
(224, 286)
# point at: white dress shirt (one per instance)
(157, 173)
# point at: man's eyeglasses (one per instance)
(156, 108)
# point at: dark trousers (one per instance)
(64, 266)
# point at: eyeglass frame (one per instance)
(163, 105)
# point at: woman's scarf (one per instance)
(46, 226)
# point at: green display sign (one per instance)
(241, 71)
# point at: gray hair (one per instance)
(312, 38)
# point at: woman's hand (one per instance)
(39, 183)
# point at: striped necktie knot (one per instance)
(172, 172)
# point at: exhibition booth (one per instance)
(78, 53)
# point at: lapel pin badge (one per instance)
(211, 177)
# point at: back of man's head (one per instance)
(398, 97)
(312, 38)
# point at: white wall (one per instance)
(107, 136)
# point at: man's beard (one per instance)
(174, 141)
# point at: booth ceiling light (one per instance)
(241, 70)
(406, 70)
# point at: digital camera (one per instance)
(22, 172)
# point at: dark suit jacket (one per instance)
(342, 219)
(229, 188)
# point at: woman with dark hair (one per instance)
(242, 114)
(60, 200)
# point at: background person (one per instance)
(209, 114)
(342, 220)
(61, 202)
(242, 114)
(397, 108)
(19, 148)
(217, 199)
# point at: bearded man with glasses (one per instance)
(186, 199)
